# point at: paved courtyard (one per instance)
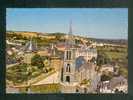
(54, 78)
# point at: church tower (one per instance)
(68, 69)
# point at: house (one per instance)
(118, 83)
(107, 68)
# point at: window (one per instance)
(68, 68)
(77, 90)
(85, 90)
(62, 74)
(68, 55)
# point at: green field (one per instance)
(118, 55)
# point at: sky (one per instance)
(107, 23)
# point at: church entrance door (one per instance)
(67, 78)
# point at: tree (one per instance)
(93, 60)
(123, 71)
(37, 60)
(116, 91)
(105, 77)
(102, 58)
(58, 37)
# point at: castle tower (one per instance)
(29, 51)
(55, 59)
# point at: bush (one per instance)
(123, 71)
(35, 74)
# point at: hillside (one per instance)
(59, 36)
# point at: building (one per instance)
(115, 85)
(87, 52)
(107, 68)
(76, 66)
(120, 83)
(47, 36)
(29, 50)
(56, 63)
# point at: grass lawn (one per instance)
(47, 88)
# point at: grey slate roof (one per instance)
(117, 80)
(80, 61)
(30, 46)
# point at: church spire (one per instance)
(70, 28)
(69, 36)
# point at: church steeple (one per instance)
(70, 28)
(69, 38)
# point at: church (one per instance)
(77, 66)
